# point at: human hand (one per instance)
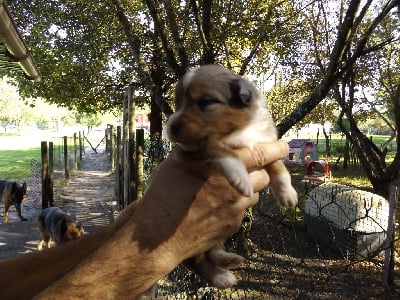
(180, 216)
(188, 214)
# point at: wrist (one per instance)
(122, 261)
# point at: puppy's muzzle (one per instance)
(175, 128)
(185, 128)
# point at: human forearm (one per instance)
(120, 268)
(158, 237)
(147, 240)
(33, 272)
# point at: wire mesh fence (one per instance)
(330, 247)
(33, 205)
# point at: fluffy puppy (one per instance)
(217, 111)
(55, 225)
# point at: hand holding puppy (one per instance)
(217, 112)
(179, 217)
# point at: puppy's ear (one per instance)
(179, 94)
(241, 92)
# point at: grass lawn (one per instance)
(353, 175)
(17, 151)
(338, 141)
(16, 164)
(16, 154)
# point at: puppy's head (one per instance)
(73, 231)
(211, 101)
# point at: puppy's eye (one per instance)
(205, 102)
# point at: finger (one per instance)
(259, 179)
(254, 199)
(263, 154)
(237, 209)
(126, 213)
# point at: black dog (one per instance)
(12, 193)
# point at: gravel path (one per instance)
(89, 197)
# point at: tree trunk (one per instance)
(346, 154)
(327, 142)
(371, 158)
(156, 151)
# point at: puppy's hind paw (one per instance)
(242, 185)
(287, 197)
(225, 260)
(236, 173)
(224, 280)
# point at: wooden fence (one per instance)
(125, 146)
(125, 149)
(69, 150)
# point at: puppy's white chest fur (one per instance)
(218, 111)
(260, 129)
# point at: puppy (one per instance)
(55, 225)
(216, 112)
(11, 193)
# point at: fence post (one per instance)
(125, 132)
(51, 173)
(60, 146)
(131, 145)
(107, 133)
(80, 146)
(45, 175)
(139, 163)
(118, 169)
(66, 160)
(75, 153)
(112, 148)
(388, 266)
(83, 142)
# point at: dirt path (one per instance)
(89, 197)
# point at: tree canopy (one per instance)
(89, 51)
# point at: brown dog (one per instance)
(217, 111)
(55, 225)
(11, 193)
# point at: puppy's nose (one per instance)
(176, 128)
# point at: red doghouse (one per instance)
(317, 172)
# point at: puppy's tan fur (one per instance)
(217, 111)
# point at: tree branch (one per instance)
(162, 31)
(337, 57)
(142, 67)
(262, 36)
(204, 30)
(171, 18)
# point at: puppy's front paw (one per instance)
(224, 280)
(236, 173)
(225, 260)
(287, 196)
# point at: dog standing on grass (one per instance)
(55, 225)
(217, 111)
(11, 193)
